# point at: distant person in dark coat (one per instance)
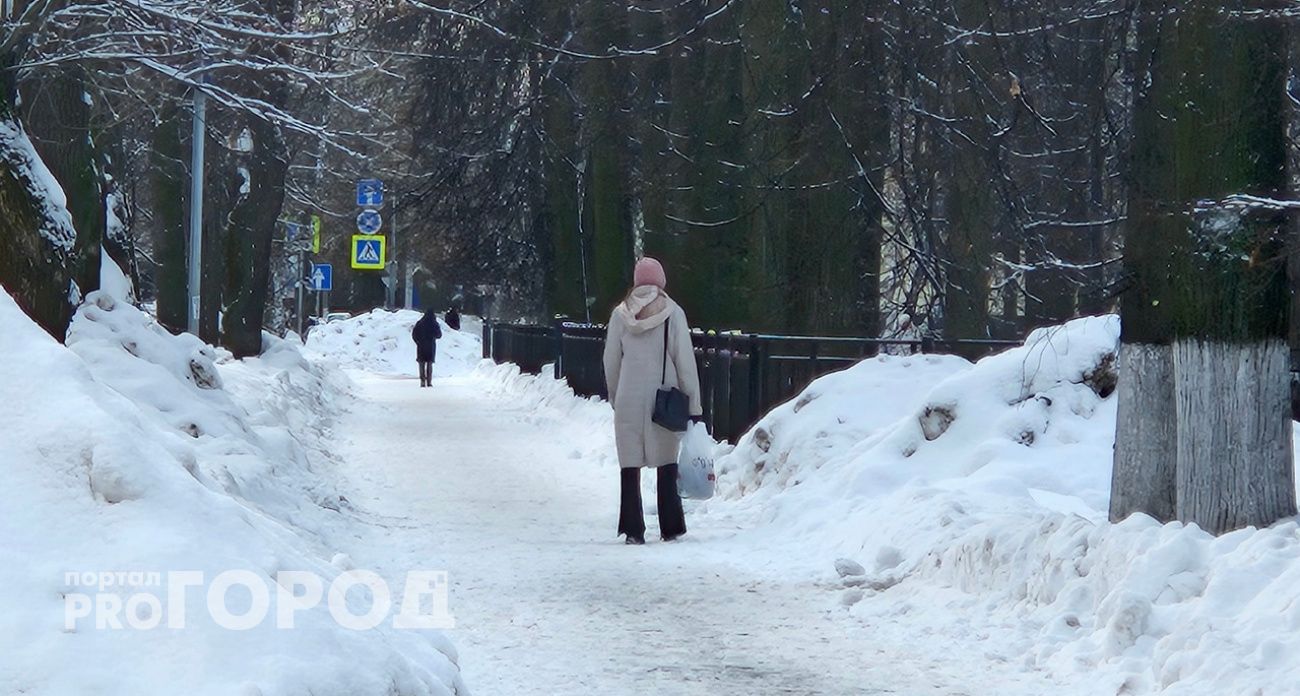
(426, 334)
(453, 319)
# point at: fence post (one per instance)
(725, 391)
(756, 370)
(714, 356)
(559, 347)
(487, 339)
(927, 344)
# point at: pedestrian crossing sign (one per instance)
(369, 252)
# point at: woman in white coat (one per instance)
(648, 346)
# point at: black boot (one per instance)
(631, 518)
(672, 518)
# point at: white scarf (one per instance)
(646, 308)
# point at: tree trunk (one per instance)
(1293, 231)
(604, 133)
(1145, 443)
(1234, 433)
(170, 200)
(1208, 278)
(60, 118)
(36, 236)
(253, 220)
(970, 183)
(252, 227)
(220, 191)
(119, 242)
(774, 75)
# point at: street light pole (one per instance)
(196, 208)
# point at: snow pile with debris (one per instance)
(981, 510)
(380, 342)
(834, 414)
(253, 423)
(895, 422)
(133, 451)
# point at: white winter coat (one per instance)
(634, 361)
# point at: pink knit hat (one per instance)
(650, 272)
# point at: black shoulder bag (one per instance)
(672, 407)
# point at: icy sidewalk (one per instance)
(515, 494)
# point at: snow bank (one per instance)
(1030, 425)
(833, 414)
(550, 400)
(380, 342)
(986, 497)
(132, 450)
(941, 498)
(253, 423)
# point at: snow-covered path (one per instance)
(548, 601)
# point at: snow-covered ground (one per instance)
(132, 452)
(510, 483)
(913, 525)
(981, 503)
(953, 512)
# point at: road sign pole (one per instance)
(302, 266)
(409, 299)
(196, 210)
(397, 256)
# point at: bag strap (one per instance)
(663, 377)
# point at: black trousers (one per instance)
(631, 517)
(426, 372)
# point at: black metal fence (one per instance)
(742, 376)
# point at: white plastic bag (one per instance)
(695, 464)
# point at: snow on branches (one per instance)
(226, 48)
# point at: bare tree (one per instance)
(84, 66)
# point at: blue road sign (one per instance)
(369, 253)
(369, 222)
(322, 277)
(370, 193)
